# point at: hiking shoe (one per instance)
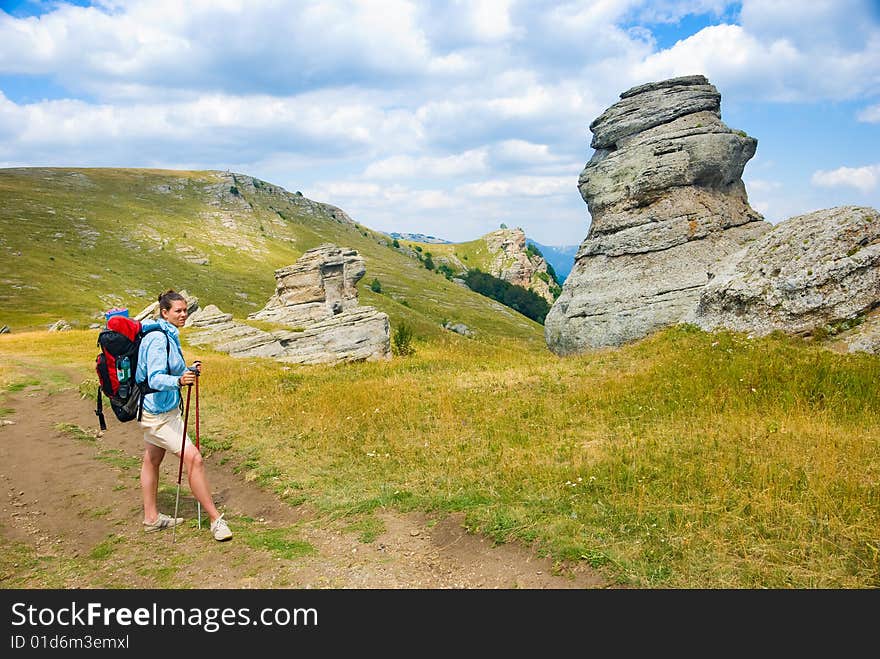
(163, 521)
(220, 529)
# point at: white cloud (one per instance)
(770, 56)
(319, 123)
(489, 19)
(369, 193)
(870, 114)
(521, 186)
(760, 185)
(864, 179)
(725, 54)
(468, 23)
(467, 163)
(672, 11)
(827, 26)
(220, 46)
(523, 152)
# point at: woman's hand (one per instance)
(188, 378)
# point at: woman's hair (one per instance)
(169, 296)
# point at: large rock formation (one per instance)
(668, 204)
(810, 272)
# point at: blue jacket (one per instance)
(159, 367)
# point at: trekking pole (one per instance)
(198, 373)
(180, 468)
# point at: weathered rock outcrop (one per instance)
(512, 262)
(668, 204)
(356, 334)
(316, 298)
(322, 283)
(810, 272)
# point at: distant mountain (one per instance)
(561, 257)
(419, 238)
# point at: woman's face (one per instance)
(176, 315)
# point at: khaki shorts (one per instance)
(164, 430)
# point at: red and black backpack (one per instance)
(116, 365)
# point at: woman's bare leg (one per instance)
(150, 480)
(198, 479)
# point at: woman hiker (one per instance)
(162, 366)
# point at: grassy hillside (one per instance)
(473, 254)
(75, 242)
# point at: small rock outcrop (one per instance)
(512, 262)
(458, 328)
(810, 272)
(667, 201)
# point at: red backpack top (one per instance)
(116, 365)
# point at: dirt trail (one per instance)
(75, 503)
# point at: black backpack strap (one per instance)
(140, 403)
(99, 411)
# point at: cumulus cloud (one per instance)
(467, 163)
(818, 25)
(831, 51)
(218, 46)
(520, 186)
(865, 179)
(320, 124)
(672, 11)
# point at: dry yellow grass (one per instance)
(686, 460)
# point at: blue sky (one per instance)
(444, 118)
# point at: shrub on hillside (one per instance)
(445, 270)
(376, 286)
(401, 340)
(527, 302)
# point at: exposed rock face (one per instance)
(866, 337)
(809, 272)
(358, 334)
(668, 204)
(316, 298)
(512, 263)
(322, 283)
